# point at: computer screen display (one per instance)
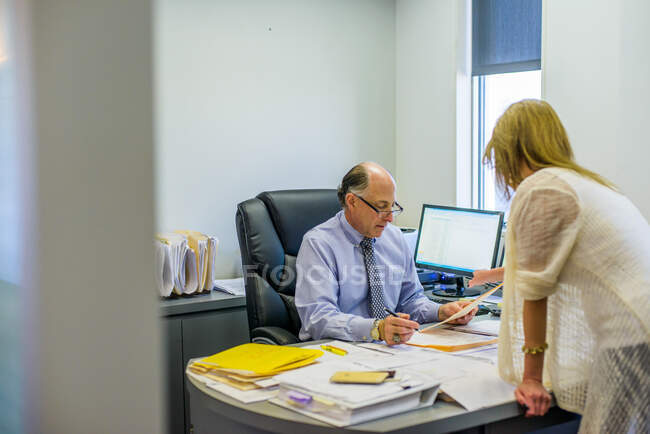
(458, 240)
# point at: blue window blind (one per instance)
(506, 36)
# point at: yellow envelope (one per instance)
(260, 359)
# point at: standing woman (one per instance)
(576, 303)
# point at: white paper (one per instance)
(163, 274)
(183, 268)
(466, 309)
(247, 396)
(213, 245)
(446, 337)
(231, 286)
(355, 352)
(316, 378)
(490, 299)
(269, 382)
(191, 277)
(396, 360)
(485, 353)
(484, 388)
(488, 327)
(384, 348)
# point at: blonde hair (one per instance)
(531, 131)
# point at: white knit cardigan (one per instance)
(586, 248)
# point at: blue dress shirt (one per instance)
(332, 285)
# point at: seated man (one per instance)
(355, 265)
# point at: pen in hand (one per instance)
(391, 313)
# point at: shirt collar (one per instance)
(351, 233)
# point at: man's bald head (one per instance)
(360, 177)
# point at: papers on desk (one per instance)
(449, 340)
(471, 382)
(204, 249)
(301, 382)
(230, 286)
(486, 327)
(245, 372)
(310, 392)
(184, 262)
(173, 258)
(464, 311)
(247, 397)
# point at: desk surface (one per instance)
(211, 406)
(213, 300)
(439, 418)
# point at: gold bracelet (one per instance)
(534, 350)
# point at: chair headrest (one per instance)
(294, 212)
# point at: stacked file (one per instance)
(250, 367)
(204, 248)
(309, 391)
(184, 262)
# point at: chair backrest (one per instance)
(270, 228)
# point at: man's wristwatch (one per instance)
(374, 331)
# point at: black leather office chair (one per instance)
(270, 228)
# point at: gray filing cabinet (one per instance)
(195, 326)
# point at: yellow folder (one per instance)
(259, 359)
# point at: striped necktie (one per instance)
(375, 285)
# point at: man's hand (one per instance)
(532, 394)
(401, 326)
(447, 310)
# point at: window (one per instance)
(506, 68)
(491, 96)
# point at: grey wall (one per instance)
(256, 95)
(92, 364)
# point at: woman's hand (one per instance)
(484, 276)
(447, 310)
(532, 394)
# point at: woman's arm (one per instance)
(484, 276)
(531, 392)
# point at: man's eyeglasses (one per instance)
(383, 214)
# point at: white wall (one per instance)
(426, 68)
(596, 74)
(256, 95)
(91, 316)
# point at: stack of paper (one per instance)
(184, 262)
(449, 340)
(250, 368)
(310, 392)
(472, 383)
(485, 327)
(175, 266)
(204, 249)
(256, 360)
(231, 286)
